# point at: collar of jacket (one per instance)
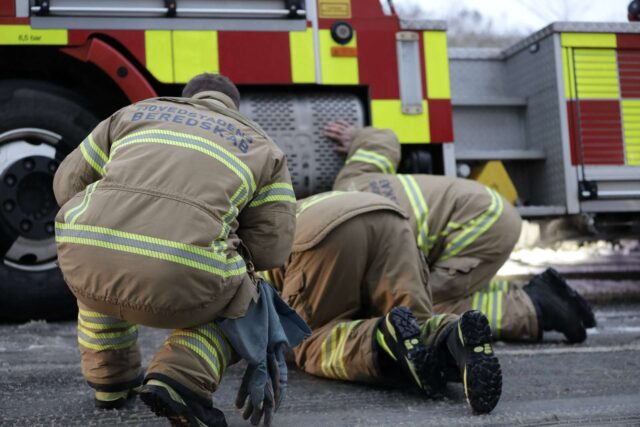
(216, 96)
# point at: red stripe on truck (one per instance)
(595, 131)
(255, 57)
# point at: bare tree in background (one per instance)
(465, 27)
(559, 10)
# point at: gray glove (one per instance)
(260, 337)
(262, 389)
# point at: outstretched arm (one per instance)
(369, 150)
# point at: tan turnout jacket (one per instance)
(448, 215)
(165, 204)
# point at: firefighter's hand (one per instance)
(262, 389)
(341, 132)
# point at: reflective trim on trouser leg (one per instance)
(333, 360)
(208, 343)
(430, 329)
(99, 332)
(109, 351)
(490, 303)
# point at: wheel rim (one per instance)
(28, 161)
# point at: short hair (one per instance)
(214, 82)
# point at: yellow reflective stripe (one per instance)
(85, 203)
(328, 353)
(334, 69)
(303, 56)
(378, 160)
(436, 64)
(206, 341)
(334, 352)
(92, 325)
(97, 149)
(91, 161)
(317, 199)
(78, 207)
(409, 128)
(130, 331)
(475, 305)
(213, 333)
(108, 347)
(420, 210)
(102, 341)
(475, 227)
(87, 313)
(172, 393)
(588, 40)
(194, 52)
(383, 344)
(277, 192)
(160, 256)
(149, 239)
(180, 253)
(193, 142)
(230, 215)
(346, 332)
(198, 351)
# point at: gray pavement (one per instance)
(552, 383)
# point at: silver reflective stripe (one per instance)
(471, 234)
(100, 341)
(212, 358)
(94, 158)
(148, 246)
(184, 139)
(215, 335)
(274, 194)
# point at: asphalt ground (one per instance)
(552, 383)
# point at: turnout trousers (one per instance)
(192, 360)
(467, 281)
(342, 287)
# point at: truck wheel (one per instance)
(39, 125)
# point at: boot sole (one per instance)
(417, 361)
(581, 305)
(163, 405)
(482, 376)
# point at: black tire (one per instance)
(32, 293)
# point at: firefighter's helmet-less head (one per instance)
(212, 82)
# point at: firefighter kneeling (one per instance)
(357, 277)
(167, 206)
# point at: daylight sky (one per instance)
(525, 15)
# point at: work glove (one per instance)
(263, 388)
(260, 337)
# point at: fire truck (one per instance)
(553, 122)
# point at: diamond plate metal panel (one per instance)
(295, 122)
(532, 75)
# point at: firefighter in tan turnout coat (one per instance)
(357, 278)
(167, 207)
(466, 231)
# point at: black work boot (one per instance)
(559, 307)
(116, 396)
(115, 399)
(181, 407)
(466, 347)
(399, 344)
